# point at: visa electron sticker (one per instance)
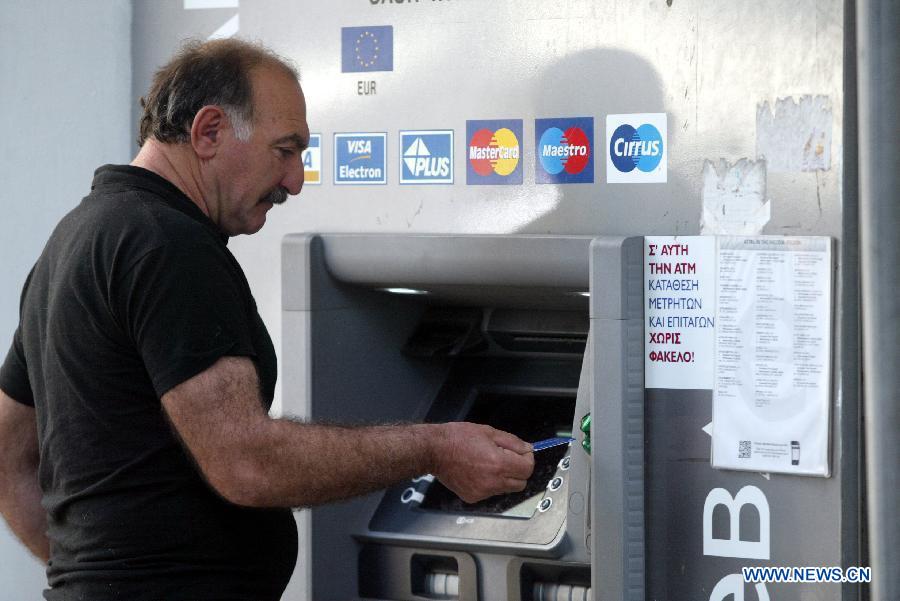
(637, 148)
(426, 157)
(360, 159)
(494, 151)
(312, 161)
(564, 150)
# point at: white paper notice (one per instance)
(772, 395)
(680, 297)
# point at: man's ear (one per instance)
(206, 131)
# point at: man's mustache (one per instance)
(276, 196)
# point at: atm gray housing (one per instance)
(342, 362)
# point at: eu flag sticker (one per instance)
(360, 158)
(367, 49)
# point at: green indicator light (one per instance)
(586, 424)
(586, 428)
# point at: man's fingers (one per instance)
(484, 462)
(518, 466)
(511, 442)
(515, 485)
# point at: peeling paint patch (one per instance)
(734, 198)
(797, 135)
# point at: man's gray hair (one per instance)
(239, 124)
(205, 73)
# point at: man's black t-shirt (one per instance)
(135, 293)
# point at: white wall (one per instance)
(65, 98)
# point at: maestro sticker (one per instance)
(564, 150)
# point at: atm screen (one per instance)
(531, 417)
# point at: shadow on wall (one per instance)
(596, 83)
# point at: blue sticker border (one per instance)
(342, 134)
(494, 179)
(541, 176)
(427, 132)
(321, 159)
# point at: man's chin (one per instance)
(252, 221)
(255, 227)
(249, 227)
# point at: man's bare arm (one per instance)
(20, 493)
(252, 459)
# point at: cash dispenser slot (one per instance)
(454, 331)
(446, 333)
(539, 331)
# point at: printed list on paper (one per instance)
(772, 394)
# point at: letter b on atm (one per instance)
(747, 499)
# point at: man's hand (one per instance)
(477, 462)
(251, 459)
(20, 494)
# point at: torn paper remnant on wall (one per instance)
(796, 136)
(734, 198)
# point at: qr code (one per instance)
(744, 449)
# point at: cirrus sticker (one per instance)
(637, 148)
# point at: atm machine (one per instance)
(538, 335)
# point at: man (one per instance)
(137, 456)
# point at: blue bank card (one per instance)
(551, 442)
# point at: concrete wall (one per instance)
(65, 96)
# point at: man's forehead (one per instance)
(274, 89)
(279, 103)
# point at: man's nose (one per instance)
(293, 179)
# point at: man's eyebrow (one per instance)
(294, 139)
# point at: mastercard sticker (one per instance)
(494, 151)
